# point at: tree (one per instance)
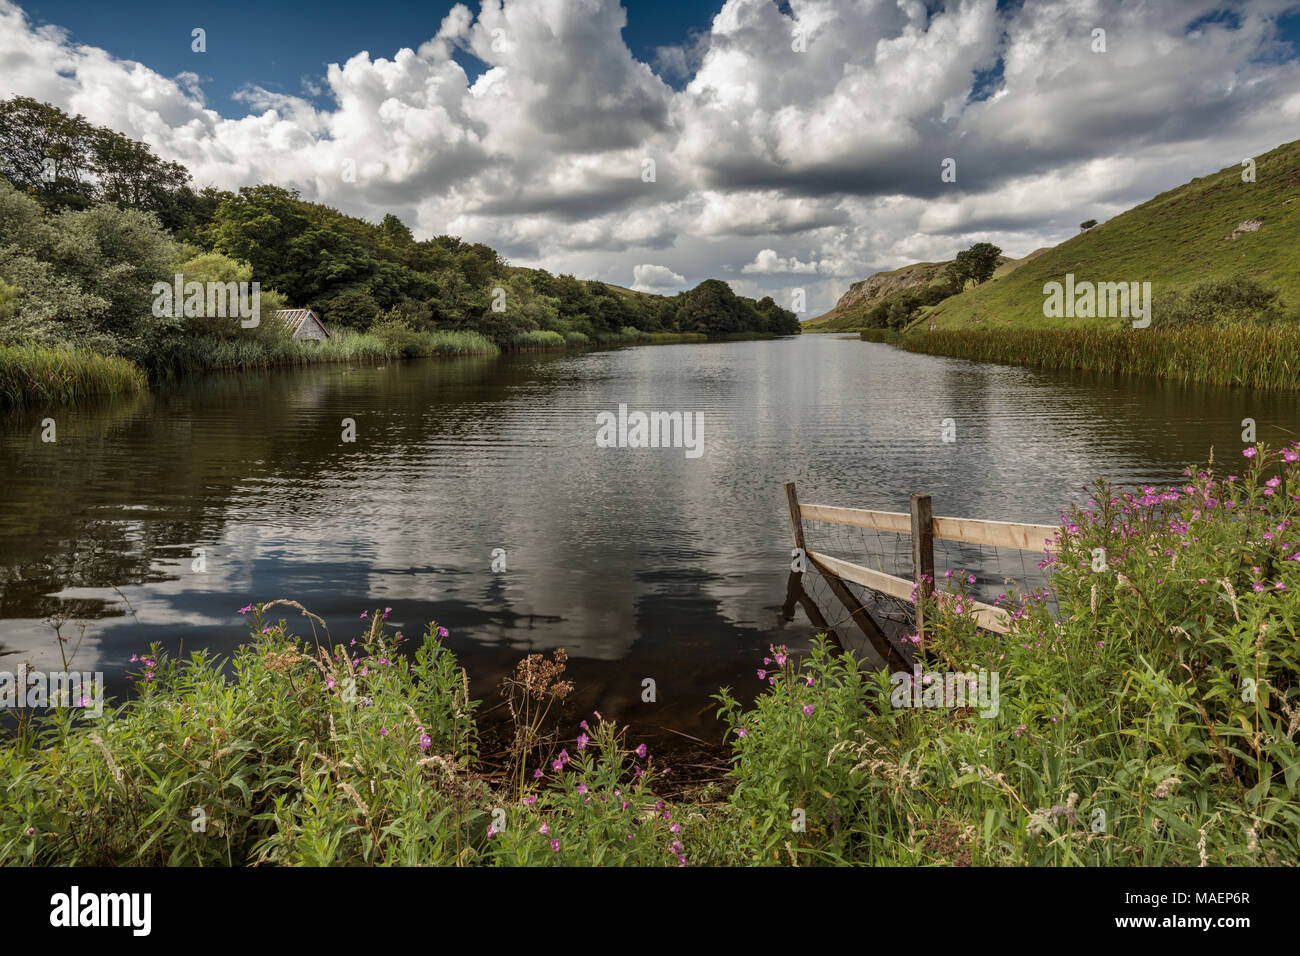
(395, 232)
(65, 162)
(1088, 225)
(976, 264)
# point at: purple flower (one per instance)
(808, 710)
(1249, 452)
(246, 609)
(443, 632)
(641, 751)
(555, 845)
(425, 741)
(742, 732)
(583, 739)
(530, 799)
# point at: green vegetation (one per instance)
(974, 265)
(1152, 721)
(893, 336)
(539, 340)
(1211, 228)
(891, 300)
(861, 307)
(1252, 356)
(1225, 282)
(1222, 303)
(58, 375)
(85, 236)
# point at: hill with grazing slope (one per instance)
(1212, 227)
(854, 307)
(850, 311)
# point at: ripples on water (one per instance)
(640, 562)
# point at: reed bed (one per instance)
(539, 340)
(61, 375)
(879, 335)
(1266, 358)
(202, 353)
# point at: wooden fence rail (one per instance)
(923, 527)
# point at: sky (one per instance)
(656, 143)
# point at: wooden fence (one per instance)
(923, 527)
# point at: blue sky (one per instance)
(781, 163)
(278, 45)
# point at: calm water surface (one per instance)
(640, 562)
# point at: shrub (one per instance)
(309, 756)
(1223, 302)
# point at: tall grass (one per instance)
(1256, 357)
(200, 353)
(880, 335)
(61, 375)
(539, 340)
(670, 338)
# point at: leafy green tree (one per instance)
(351, 308)
(395, 232)
(976, 264)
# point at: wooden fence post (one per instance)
(922, 555)
(796, 519)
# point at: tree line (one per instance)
(90, 219)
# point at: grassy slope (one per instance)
(1174, 240)
(863, 296)
(849, 313)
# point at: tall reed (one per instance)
(61, 375)
(1253, 356)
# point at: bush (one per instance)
(397, 336)
(799, 796)
(310, 756)
(1234, 301)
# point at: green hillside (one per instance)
(916, 281)
(850, 311)
(1175, 240)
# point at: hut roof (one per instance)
(294, 318)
